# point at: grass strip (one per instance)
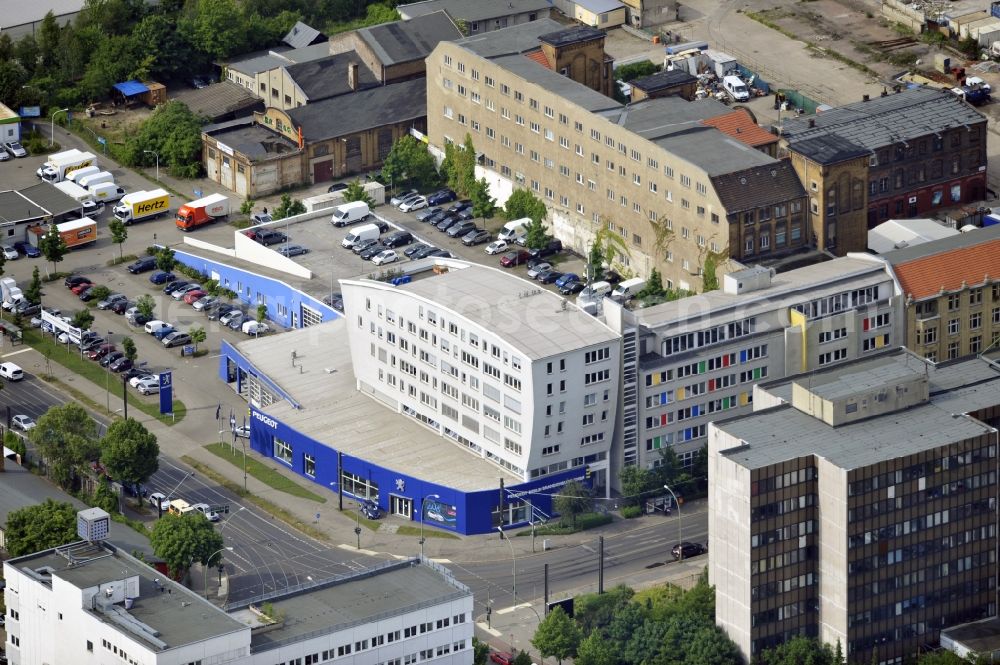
(261, 503)
(265, 474)
(408, 530)
(583, 522)
(356, 516)
(69, 357)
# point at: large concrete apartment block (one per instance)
(857, 504)
(700, 357)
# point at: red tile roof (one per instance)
(927, 276)
(740, 125)
(538, 57)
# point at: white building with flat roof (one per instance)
(509, 371)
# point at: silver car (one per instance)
(16, 149)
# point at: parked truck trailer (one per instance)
(57, 168)
(75, 233)
(202, 211)
(140, 206)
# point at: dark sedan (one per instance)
(217, 313)
(687, 550)
(427, 212)
(370, 252)
(365, 244)
(423, 253)
(413, 249)
(120, 365)
(174, 285)
(460, 229)
(447, 223)
(160, 277)
(75, 280)
(516, 258)
(27, 249)
(87, 294)
(441, 196)
(549, 276)
(111, 357)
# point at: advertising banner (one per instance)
(166, 392)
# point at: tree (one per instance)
(15, 443)
(180, 540)
(261, 312)
(198, 336)
(99, 293)
(288, 208)
(593, 611)
(52, 246)
(483, 205)
(130, 452)
(710, 278)
(356, 192)
(165, 260)
(573, 500)
(409, 163)
(798, 651)
(145, 305)
(653, 291)
(48, 41)
(522, 658)
(612, 245)
(634, 482)
(66, 436)
(522, 203)
(174, 133)
(83, 319)
(595, 263)
(480, 652)
(537, 235)
(119, 234)
(128, 348)
(596, 650)
(463, 171)
(216, 27)
(942, 657)
(40, 527)
(246, 208)
(557, 635)
(104, 497)
(33, 293)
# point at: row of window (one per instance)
(926, 548)
(916, 629)
(408, 659)
(921, 601)
(839, 302)
(781, 481)
(762, 591)
(920, 470)
(718, 383)
(788, 532)
(696, 410)
(708, 337)
(681, 436)
(921, 576)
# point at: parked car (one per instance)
(255, 328)
(145, 264)
(137, 319)
(570, 288)
(268, 237)
(436, 218)
(292, 250)
(549, 276)
(538, 268)
(207, 511)
(567, 278)
(427, 212)
(443, 253)
(611, 277)
(448, 222)
(120, 365)
(460, 229)
(362, 245)
(154, 325)
(176, 338)
(15, 148)
(26, 308)
(515, 258)
(162, 333)
(336, 187)
(415, 203)
(370, 509)
(175, 284)
(413, 249)
(397, 239)
(370, 252)
(242, 431)
(75, 280)
(148, 385)
(23, 422)
(219, 310)
(461, 206)
(179, 293)
(193, 296)
(121, 307)
(27, 249)
(554, 246)
(335, 300)
(78, 289)
(9, 253)
(108, 302)
(496, 247)
(4, 155)
(159, 500)
(441, 196)
(139, 375)
(502, 657)
(686, 550)
(111, 357)
(423, 253)
(232, 315)
(402, 196)
(383, 227)
(475, 237)
(161, 277)
(204, 302)
(385, 256)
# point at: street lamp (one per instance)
(208, 563)
(52, 129)
(107, 379)
(153, 152)
(680, 556)
(422, 502)
(513, 559)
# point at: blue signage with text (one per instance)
(166, 392)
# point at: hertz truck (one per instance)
(140, 206)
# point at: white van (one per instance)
(76, 176)
(11, 372)
(106, 192)
(88, 182)
(628, 289)
(350, 213)
(595, 291)
(736, 88)
(153, 327)
(363, 232)
(511, 230)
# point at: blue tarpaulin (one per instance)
(131, 88)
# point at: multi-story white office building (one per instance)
(88, 603)
(698, 358)
(509, 371)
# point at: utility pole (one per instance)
(600, 565)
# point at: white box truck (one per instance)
(56, 170)
(11, 293)
(350, 213)
(89, 181)
(55, 157)
(512, 229)
(140, 206)
(363, 232)
(106, 192)
(74, 191)
(77, 175)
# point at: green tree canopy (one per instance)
(82, 319)
(483, 205)
(198, 336)
(165, 260)
(523, 203)
(128, 348)
(33, 293)
(180, 540)
(593, 611)
(130, 452)
(573, 500)
(52, 246)
(537, 235)
(798, 651)
(288, 207)
(40, 527)
(119, 234)
(595, 649)
(356, 192)
(409, 163)
(635, 481)
(557, 635)
(653, 292)
(66, 436)
(174, 133)
(145, 305)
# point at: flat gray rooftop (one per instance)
(51, 199)
(980, 636)
(256, 142)
(333, 411)
(783, 433)
(554, 82)
(180, 616)
(515, 39)
(851, 378)
(535, 320)
(400, 588)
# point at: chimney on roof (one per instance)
(812, 122)
(864, 98)
(352, 76)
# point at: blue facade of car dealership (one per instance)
(395, 491)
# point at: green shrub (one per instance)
(630, 512)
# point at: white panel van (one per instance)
(628, 289)
(363, 232)
(736, 88)
(512, 229)
(350, 213)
